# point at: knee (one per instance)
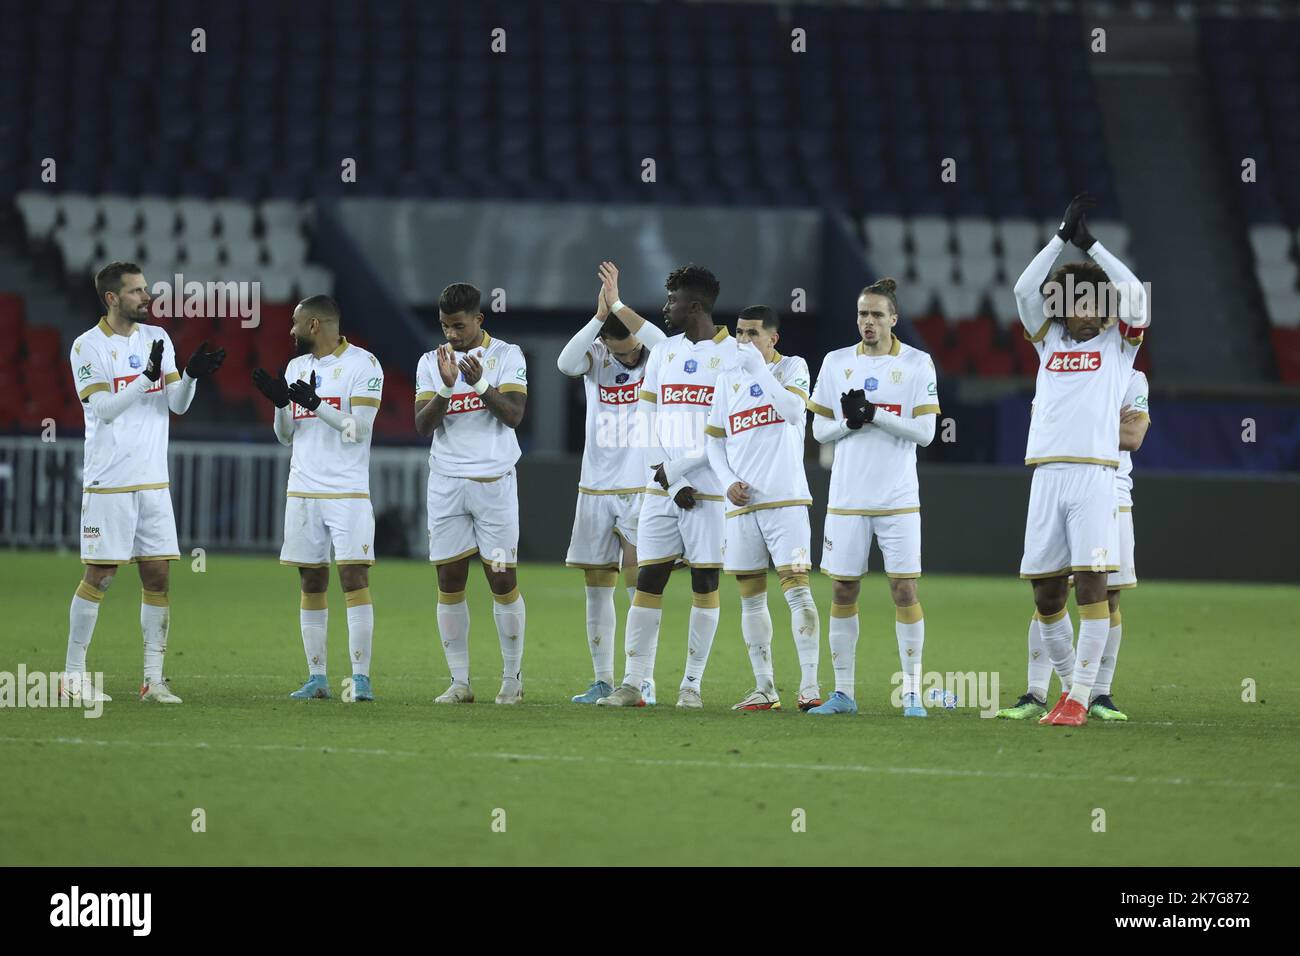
(903, 591)
(354, 577)
(845, 592)
(704, 580)
(653, 578)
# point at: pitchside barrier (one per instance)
(230, 497)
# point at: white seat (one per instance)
(237, 219)
(974, 238)
(312, 279)
(198, 217)
(78, 249)
(1271, 243)
(885, 232)
(286, 248)
(243, 254)
(931, 236)
(958, 301)
(1020, 243)
(1113, 235)
(979, 273)
(202, 254)
(277, 285)
(157, 216)
(914, 299)
(934, 269)
(40, 211)
(160, 255)
(80, 212)
(1276, 276)
(120, 215)
(281, 215)
(118, 246)
(1283, 309)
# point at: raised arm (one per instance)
(575, 358)
(647, 333)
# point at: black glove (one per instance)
(273, 388)
(1082, 237)
(203, 363)
(304, 394)
(153, 368)
(857, 410)
(1073, 213)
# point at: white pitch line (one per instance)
(204, 745)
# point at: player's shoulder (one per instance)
(910, 353)
(358, 356)
(836, 356)
(93, 337)
(1139, 380)
(495, 345)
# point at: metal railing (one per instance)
(227, 496)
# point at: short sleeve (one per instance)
(823, 402)
(171, 374)
(800, 381)
(426, 379)
(514, 371)
(650, 382)
(89, 371)
(716, 426)
(925, 399)
(1136, 396)
(367, 384)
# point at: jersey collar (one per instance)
(720, 332)
(343, 346)
(895, 346)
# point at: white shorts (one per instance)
(1126, 576)
(128, 526)
(1071, 523)
(311, 525)
(467, 515)
(665, 531)
(784, 534)
(846, 543)
(599, 522)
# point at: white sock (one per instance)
(1093, 631)
(601, 623)
(361, 629)
(509, 617)
(911, 642)
(453, 629)
(699, 639)
(82, 616)
(1058, 639)
(631, 592)
(155, 620)
(314, 623)
(641, 638)
(756, 629)
(1106, 671)
(1040, 667)
(806, 626)
(844, 643)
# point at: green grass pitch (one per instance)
(1196, 777)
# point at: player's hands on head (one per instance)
(661, 476)
(738, 493)
(153, 368)
(446, 356)
(1073, 213)
(857, 410)
(608, 274)
(276, 389)
(685, 499)
(471, 369)
(1082, 237)
(303, 394)
(204, 361)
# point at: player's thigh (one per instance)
(658, 536)
(702, 529)
(899, 537)
(1126, 576)
(593, 543)
(451, 527)
(306, 537)
(1091, 522)
(494, 507)
(846, 542)
(1047, 546)
(627, 517)
(108, 527)
(155, 527)
(788, 535)
(351, 524)
(743, 549)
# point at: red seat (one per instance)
(44, 344)
(13, 313)
(995, 364)
(975, 336)
(933, 331)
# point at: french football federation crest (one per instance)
(133, 361)
(690, 366)
(316, 379)
(756, 390)
(871, 384)
(620, 378)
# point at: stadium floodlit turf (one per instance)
(1197, 776)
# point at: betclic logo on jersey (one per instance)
(122, 381)
(619, 394)
(299, 412)
(754, 418)
(687, 395)
(465, 402)
(1074, 362)
(886, 406)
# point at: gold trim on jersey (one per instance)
(486, 481)
(714, 431)
(668, 560)
(171, 378)
(125, 488)
(487, 340)
(1121, 587)
(345, 563)
(104, 561)
(904, 577)
(706, 567)
(513, 387)
(425, 396)
(364, 400)
(798, 391)
(91, 390)
(645, 396)
(895, 346)
(720, 332)
(821, 410)
(1073, 461)
(1125, 508)
(459, 557)
(607, 566)
(1040, 334)
(300, 564)
(610, 491)
(698, 497)
(925, 410)
(1070, 570)
(327, 494)
(770, 504)
(154, 557)
(343, 346)
(104, 327)
(873, 512)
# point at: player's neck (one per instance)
(326, 347)
(120, 325)
(697, 330)
(880, 348)
(473, 345)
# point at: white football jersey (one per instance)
(1078, 394)
(324, 465)
(679, 380)
(761, 447)
(874, 473)
(1135, 397)
(613, 459)
(471, 442)
(792, 372)
(130, 452)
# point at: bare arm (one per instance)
(429, 415)
(1133, 427)
(507, 407)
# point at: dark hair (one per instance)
(886, 287)
(322, 307)
(769, 317)
(614, 329)
(109, 278)
(697, 282)
(1084, 274)
(459, 297)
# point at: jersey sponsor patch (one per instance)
(753, 418)
(687, 395)
(896, 409)
(299, 412)
(122, 381)
(620, 394)
(1074, 362)
(465, 402)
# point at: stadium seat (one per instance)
(40, 212)
(198, 217)
(120, 215)
(157, 217)
(80, 212)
